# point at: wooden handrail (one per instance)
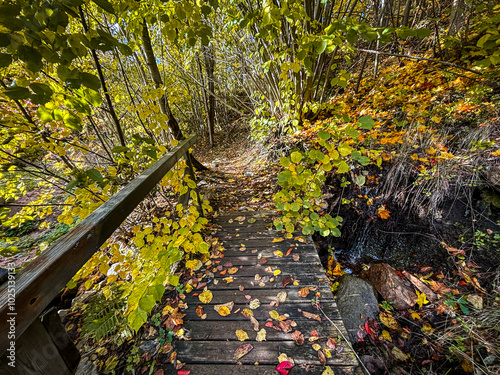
(40, 281)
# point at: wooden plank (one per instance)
(262, 313)
(255, 243)
(41, 280)
(203, 330)
(254, 259)
(263, 353)
(252, 369)
(264, 295)
(35, 353)
(291, 269)
(67, 349)
(249, 282)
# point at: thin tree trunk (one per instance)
(208, 55)
(163, 102)
(103, 83)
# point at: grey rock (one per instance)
(149, 347)
(356, 301)
(84, 297)
(86, 367)
(490, 360)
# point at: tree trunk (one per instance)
(208, 54)
(163, 102)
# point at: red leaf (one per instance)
(183, 372)
(287, 280)
(284, 367)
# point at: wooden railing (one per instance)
(41, 281)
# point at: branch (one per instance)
(420, 59)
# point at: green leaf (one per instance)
(173, 280)
(285, 162)
(44, 114)
(344, 149)
(106, 5)
(95, 175)
(72, 121)
(322, 46)
(296, 157)
(17, 92)
(360, 180)
(324, 135)
(71, 184)
(90, 81)
(366, 122)
(353, 133)
(137, 318)
(147, 303)
(343, 167)
(43, 93)
(119, 149)
(423, 33)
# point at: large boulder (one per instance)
(392, 288)
(356, 301)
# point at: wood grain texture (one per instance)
(213, 339)
(41, 280)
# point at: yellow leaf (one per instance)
(278, 253)
(388, 320)
(276, 272)
(241, 335)
(206, 296)
(316, 347)
(422, 299)
(274, 314)
(386, 335)
(328, 353)
(415, 315)
(224, 311)
(228, 279)
(278, 239)
(261, 335)
(232, 270)
(328, 371)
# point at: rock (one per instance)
(149, 347)
(249, 174)
(63, 313)
(388, 283)
(490, 360)
(356, 301)
(86, 367)
(202, 183)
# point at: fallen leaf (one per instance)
(241, 288)
(241, 335)
(276, 272)
(278, 239)
(322, 357)
(298, 337)
(286, 325)
(223, 311)
(316, 347)
(296, 257)
(304, 292)
(328, 354)
(399, 355)
(199, 311)
(251, 220)
(183, 372)
(232, 270)
(388, 320)
(247, 313)
(281, 297)
(286, 280)
(328, 371)
(206, 296)
(309, 315)
(331, 343)
(254, 304)
(242, 351)
(415, 315)
(383, 213)
(261, 335)
(255, 323)
(274, 314)
(421, 299)
(228, 279)
(386, 335)
(263, 260)
(278, 253)
(289, 251)
(284, 367)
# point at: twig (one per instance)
(420, 58)
(346, 340)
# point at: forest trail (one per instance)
(239, 176)
(262, 303)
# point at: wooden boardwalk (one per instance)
(259, 271)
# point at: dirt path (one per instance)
(239, 178)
